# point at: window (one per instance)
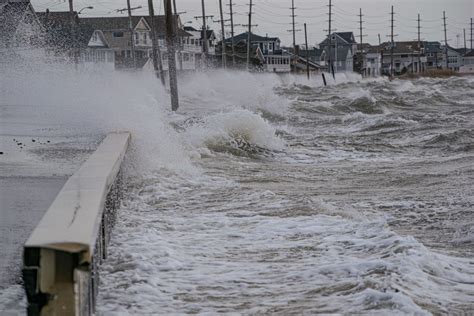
(117, 34)
(137, 38)
(192, 41)
(145, 37)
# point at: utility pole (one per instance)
(465, 44)
(224, 54)
(445, 41)
(307, 50)
(156, 53)
(205, 47)
(170, 42)
(249, 36)
(471, 33)
(232, 31)
(294, 30)
(420, 68)
(330, 67)
(361, 48)
(381, 55)
(178, 37)
(392, 70)
(130, 28)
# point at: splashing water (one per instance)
(268, 194)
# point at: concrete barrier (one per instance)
(62, 255)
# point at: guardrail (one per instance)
(62, 255)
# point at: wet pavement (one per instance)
(36, 159)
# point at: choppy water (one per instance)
(280, 197)
(272, 195)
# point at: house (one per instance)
(455, 57)
(194, 43)
(114, 33)
(19, 25)
(434, 54)
(468, 63)
(274, 58)
(407, 57)
(343, 48)
(64, 40)
(372, 62)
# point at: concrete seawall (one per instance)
(62, 255)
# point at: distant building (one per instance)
(273, 58)
(455, 57)
(64, 40)
(468, 63)
(194, 43)
(343, 49)
(434, 54)
(373, 62)
(407, 57)
(114, 33)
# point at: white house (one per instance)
(267, 49)
(468, 63)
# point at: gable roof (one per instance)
(347, 37)
(253, 38)
(122, 23)
(59, 31)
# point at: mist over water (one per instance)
(269, 194)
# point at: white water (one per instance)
(229, 208)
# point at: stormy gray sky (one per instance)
(273, 16)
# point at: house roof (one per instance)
(374, 49)
(58, 24)
(432, 47)
(253, 38)
(460, 51)
(347, 37)
(469, 54)
(59, 32)
(407, 47)
(122, 23)
(314, 53)
(11, 14)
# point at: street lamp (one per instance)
(89, 7)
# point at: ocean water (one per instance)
(292, 198)
(269, 194)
